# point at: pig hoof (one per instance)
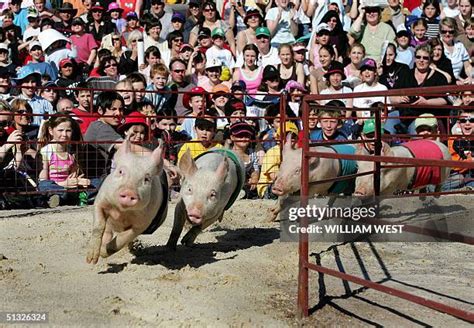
(92, 256)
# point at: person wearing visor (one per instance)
(426, 124)
(205, 130)
(369, 31)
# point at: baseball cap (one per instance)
(204, 32)
(234, 105)
(270, 73)
(294, 85)
(64, 62)
(186, 46)
(131, 15)
(220, 88)
(242, 130)
(32, 12)
(426, 119)
(251, 13)
(262, 31)
(194, 91)
(134, 118)
(289, 127)
(113, 6)
(213, 62)
(97, 6)
(178, 16)
(369, 126)
(78, 21)
(34, 44)
(322, 27)
(402, 31)
(299, 47)
(3, 46)
(239, 85)
(217, 32)
(368, 63)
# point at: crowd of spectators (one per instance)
(179, 68)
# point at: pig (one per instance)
(132, 200)
(288, 180)
(209, 187)
(404, 178)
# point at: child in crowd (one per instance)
(295, 92)
(138, 81)
(271, 163)
(462, 149)
(331, 124)
(426, 124)
(205, 130)
(334, 77)
(405, 52)
(159, 74)
(125, 89)
(241, 135)
(196, 100)
(172, 139)
(83, 110)
(60, 170)
(218, 51)
(135, 128)
(418, 30)
(220, 96)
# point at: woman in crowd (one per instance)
(281, 24)
(211, 19)
(117, 47)
(352, 71)
(129, 58)
(318, 82)
(422, 75)
(250, 72)
(391, 69)
(431, 11)
(253, 19)
(193, 17)
(440, 62)
(455, 51)
(108, 67)
(337, 35)
(288, 68)
(152, 57)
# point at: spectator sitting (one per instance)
(37, 61)
(29, 80)
(159, 74)
(271, 163)
(60, 170)
(331, 123)
(425, 125)
(125, 89)
(197, 101)
(173, 140)
(242, 135)
(135, 128)
(205, 129)
(84, 111)
(462, 149)
(5, 78)
(50, 94)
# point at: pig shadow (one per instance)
(205, 253)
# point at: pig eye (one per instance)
(121, 172)
(298, 170)
(147, 179)
(190, 190)
(213, 194)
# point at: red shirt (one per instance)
(86, 119)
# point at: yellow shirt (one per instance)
(270, 164)
(196, 148)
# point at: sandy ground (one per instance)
(238, 274)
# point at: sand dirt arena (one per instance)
(238, 274)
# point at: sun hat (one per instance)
(27, 71)
(134, 118)
(33, 44)
(68, 7)
(251, 12)
(49, 36)
(335, 67)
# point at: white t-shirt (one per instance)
(224, 55)
(366, 102)
(271, 58)
(457, 57)
(283, 30)
(328, 91)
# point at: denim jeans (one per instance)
(457, 180)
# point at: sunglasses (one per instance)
(177, 40)
(447, 32)
(208, 10)
(110, 65)
(67, 66)
(371, 10)
(259, 37)
(22, 111)
(213, 70)
(465, 120)
(96, 11)
(422, 57)
(323, 32)
(179, 70)
(193, 6)
(116, 39)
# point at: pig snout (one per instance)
(194, 215)
(277, 188)
(128, 198)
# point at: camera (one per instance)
(413, 98)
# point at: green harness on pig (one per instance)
(346, 167)
(238, 168)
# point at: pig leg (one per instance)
(275, 210)
(191, 235)
(120, 241)
(179, 220)
(100, 221)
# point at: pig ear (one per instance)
(157, 156)
(386, 150)
(187, 164)
(125, 147)
(288, 142)
(222, 169)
